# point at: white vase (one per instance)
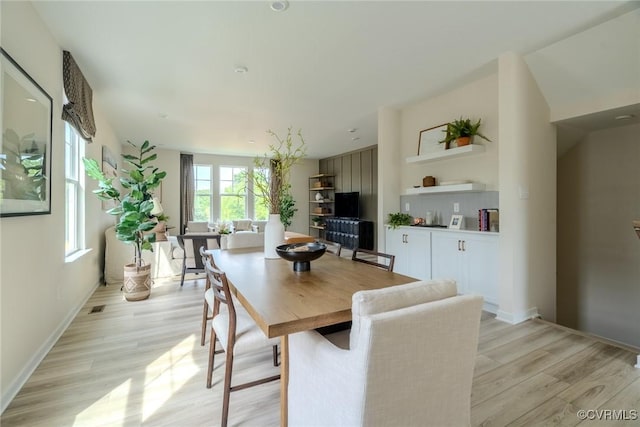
(273, 236)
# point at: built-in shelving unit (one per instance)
(451, 153)
(322, 183)
(469, 187)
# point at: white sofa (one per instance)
(166, 258)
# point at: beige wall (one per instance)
(477, 100)
(40, 293)
(598, 252)
(390, 165)
(527, 196)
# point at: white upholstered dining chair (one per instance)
(407, 361)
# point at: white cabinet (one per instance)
(412, 248)
(469, 258)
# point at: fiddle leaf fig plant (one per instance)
(133, 208)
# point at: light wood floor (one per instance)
(141, 363)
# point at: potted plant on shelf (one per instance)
(271, 181)
(317, 221)
(135, 212)
(398, 219)
(462, 131)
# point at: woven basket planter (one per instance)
(137, 282)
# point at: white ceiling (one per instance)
(164, 70)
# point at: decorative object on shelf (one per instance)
(429, 139)
(429, 218)
(301, 254)
(134, 211)
(319, 197)
(461, 131)
(317, 221)
(429, 181)
(320, 210)
(636, 227)
(271, 180)
(161, 221)
(25, 161)
(457, 222)
(398, 219)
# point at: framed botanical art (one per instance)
(25, 150)
(429, 139)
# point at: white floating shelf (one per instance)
(457, 188)
(452, 153)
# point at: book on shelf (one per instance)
(488, 220)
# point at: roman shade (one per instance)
(78, 111)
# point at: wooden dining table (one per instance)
(283, 302)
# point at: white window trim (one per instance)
(80, 248)
(211, 188)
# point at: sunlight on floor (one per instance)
(163, 378)
(167, 374)
(112, 408)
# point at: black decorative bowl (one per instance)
(301, 254)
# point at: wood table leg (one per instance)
(284, 380)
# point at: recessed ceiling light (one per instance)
(624, 117)
(163, 115)
(352, 130)
(251, 141)
(30, 99)
(355, 138)
(279, 6)
(241, 69)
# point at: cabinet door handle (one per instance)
(406, 238)
(463, 248)
(459, 246)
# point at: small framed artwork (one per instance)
(25, 148)
(457, 222)
(429, 139)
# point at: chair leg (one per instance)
(205, 316)
(212, 355)
(275, 356)
(227, 388)
(182, 278)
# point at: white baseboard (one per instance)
(10, 393)
(515, 318)
(490, 307)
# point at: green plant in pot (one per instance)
(134, 211)
(462, 131)
(398, 219)
(317, 221)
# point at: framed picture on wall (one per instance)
(25, 149)
(429, 139)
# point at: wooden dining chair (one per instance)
(374, 258)
(190, 245)
(236, 331)
(332, 247)
(207, 311)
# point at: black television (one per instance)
(347, 205)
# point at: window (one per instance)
(74, 191)
(260, 209)
(203, 198)
(233, 192)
